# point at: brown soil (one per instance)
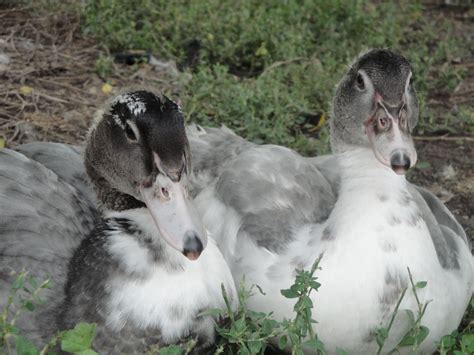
(450, 175)
(50, 90)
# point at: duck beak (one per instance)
(390, 139)
(175, 215)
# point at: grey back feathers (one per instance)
(444, 229)
(212, 149)
(273, 189)
(64, 160)
(43, 219)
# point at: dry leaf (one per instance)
(2, 143)
(321, 123)
(107, 88)
(26, 90)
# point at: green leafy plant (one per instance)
(461, 341)
(244, 331)
(104, 66)
(248, 332)
(417, 332)
(24, 296)
(299, 331)
(182, 349)
(25, 290)
(241, 332)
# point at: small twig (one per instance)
(444, 138)
(413, 288)
(51, 343)
(314, 267)
(16, 131)
(395, 311)
(421, 309)
(51, 98)
(64, 85)
(227, 303)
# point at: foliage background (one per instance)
(267, 69)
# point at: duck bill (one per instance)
(391, 143)
(175, 216)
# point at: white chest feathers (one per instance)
(168, 292)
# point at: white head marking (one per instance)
(135, 104)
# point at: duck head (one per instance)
(376, 106)
(137, 155)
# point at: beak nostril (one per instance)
(165, 193)
(400, 162)
(192, 246)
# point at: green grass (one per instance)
(268, 69)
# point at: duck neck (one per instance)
(360, 169)
(371, 198)
(111, 198)
(115, 200)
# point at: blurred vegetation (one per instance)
(267, 69)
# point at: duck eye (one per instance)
(360, 82)
(129, 132)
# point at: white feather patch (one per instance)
(135, 105)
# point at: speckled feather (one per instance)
(273, 211)
(140, 291)
(370, 225)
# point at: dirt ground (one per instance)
(49, 90)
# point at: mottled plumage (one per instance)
(272, 211)
(147, 271)
(139, 290)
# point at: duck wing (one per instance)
(65, 160)
(264, 194)
(42, 219)
(211, 150)
(447, 234)
(330, 167)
